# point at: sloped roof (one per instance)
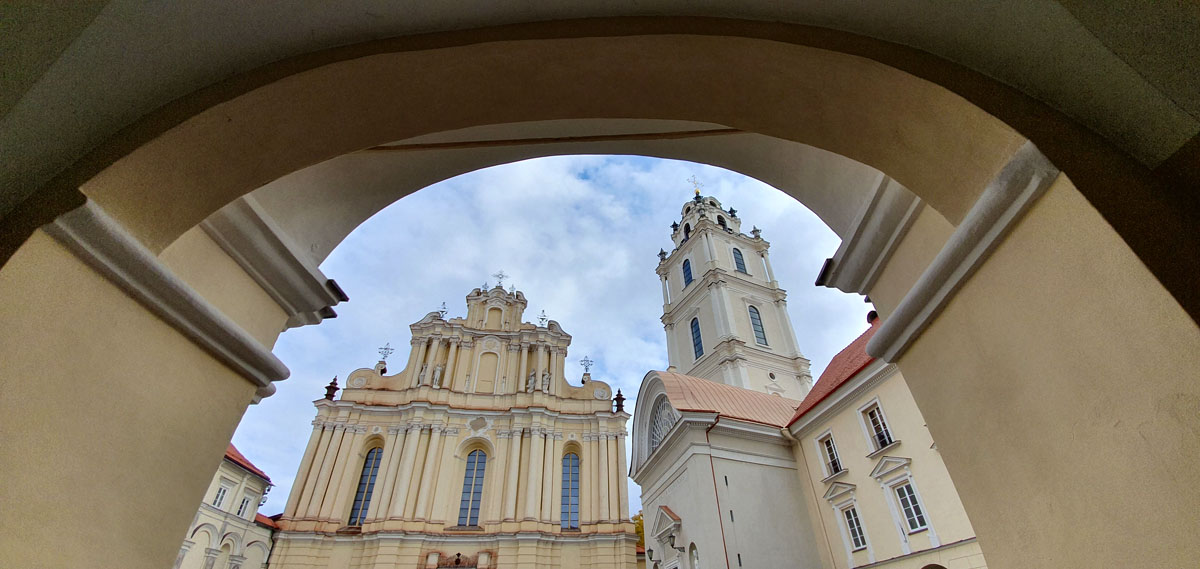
(845, 365)
(265, 521)
(688, 393)
(234, 455)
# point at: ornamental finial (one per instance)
(542, 318)
(331, 389)
(384, 352)
(696, 185)
(500, 276)
(587, 363)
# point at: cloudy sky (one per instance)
(579, 235)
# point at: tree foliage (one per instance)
(641, 530)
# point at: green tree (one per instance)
(641, 530)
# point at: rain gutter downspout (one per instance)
(717, 495)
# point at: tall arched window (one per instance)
(662, 418)
(687, 231)
(472, 494)
(760, 335)
(366, 484)
(687, 272)
(721, 221)
(739, 261)
(697, 342)
(570, 491)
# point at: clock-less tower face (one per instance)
(724, 314)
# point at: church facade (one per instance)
(478, 454)
(744, 462)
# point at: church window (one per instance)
(687, 231)
(858, 540)
(472, 494)
(223, 491)
(687, 272)
(570, 491)
(912, 508)
(739, 261)
(881, 435)
(760, 335)
(697, 341)
(662, 418)
(833, 464)
(245, 506)
(721, 221)
(694, 556)
(366, 485)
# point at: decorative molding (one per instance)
(101, 242)
(878, 228)
(837, 489)
(888, 465)
(252, 239)
(1005, 200)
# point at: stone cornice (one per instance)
(878, 228)
(1004, 201)
(252, 239)
(100, 242)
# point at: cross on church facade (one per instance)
(696, 185)
(386, 351)
(587, 363)
(500, 276)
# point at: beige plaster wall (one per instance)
(96, 389)
(924, 239)
(1060, 384)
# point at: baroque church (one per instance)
(744, 462)
(479, 453)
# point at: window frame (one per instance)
(823, 452)
(739, 262)
(697, 338)
(846, 511)
(570, 491)
(686, 268)
(223, 490)
(756, 325)
(918, 510)
(365, 489)
(873, 439)
(470, 504)
(246, 505)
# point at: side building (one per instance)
(478, 454)
(228, 532)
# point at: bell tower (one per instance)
(725, 316)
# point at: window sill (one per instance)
(570, 530)
(464, 528)
(917, 531)
(352, 530)
(890, 446)
(835, 475)
(859, 549)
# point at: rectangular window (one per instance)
(832, 463)
(857, 539)
(882, 436)
(911, 507)
(220, 497)
(570, 491)
(245, 507)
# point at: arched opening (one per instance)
(953, 151)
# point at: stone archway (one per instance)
(971, 332)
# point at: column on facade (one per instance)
(302, 474)
(183, 551)
(351, 469)
(537, 453)
(415, 370)
(548, 477)
(413, 353)
(210, 557)
(710, 249)
(766, 258)
(560, 371)
(350, 440)
(718, 309)
(604, 475)
(513, 472)
(428, 484)
(407, 457)
(326, 472)
(444, 487)
(513, 369)
(541, 364)
(467, 353)
(786, 324)
(587, 483)
(556, 473)
(614, 478)
(312, 473)
(622, 482)
(451, 364)
(672, 358)
(524, 374)
(727, 307)
(381, 497)
(432, 360)
(414, 484)
(666, 293)
(498, 385)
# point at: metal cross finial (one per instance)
(542, 318)
(500, 276)
(587, 363)
(695, 184)
(386, 351)
(442, 311)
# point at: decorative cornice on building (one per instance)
(878, 228)
(1001, 205)
(253, 240)
(102, 243)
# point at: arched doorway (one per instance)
(966, 342)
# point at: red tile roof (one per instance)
(265, 521)
(237, 458)
(845, 365)
(670, 513)
(689, 393)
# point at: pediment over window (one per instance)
(889, 464)
(837, 489)
(666, 522)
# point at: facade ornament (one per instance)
(467, 388)
(331, 389)
(542, 318)
(386, 351)
(531, 382)
(662, 254)
(732, 213)
(546, 382)
(587, 363)
(500, 276)
(756, 232)
(421, 375)
(437, 376)
(620, 401)
(442, 312)
(674, 226)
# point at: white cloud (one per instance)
(579, 235)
